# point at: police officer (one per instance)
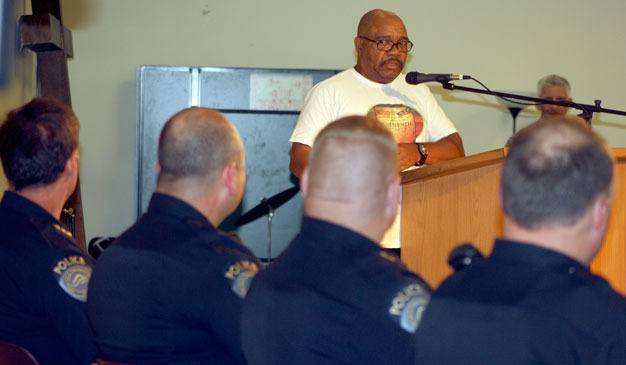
(43, 273)
(169, 290)
(334, 296)
(534, 300)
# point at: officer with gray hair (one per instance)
(535, 300)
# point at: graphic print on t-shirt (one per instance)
(404, 122)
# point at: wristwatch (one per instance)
(421, 148)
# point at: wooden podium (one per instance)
(457, 201)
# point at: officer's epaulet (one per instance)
(389, 257)
(55, 235)
(240, 272)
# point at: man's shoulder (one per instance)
(17, 233)
(336, 82)
(46, 263)
(381, 267)
(183, 240)
(594, 296)
(17, 224)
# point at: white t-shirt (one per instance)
(409, 111)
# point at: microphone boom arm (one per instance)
(587, 109)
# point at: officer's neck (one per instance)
(572, 241)
(344, 215)
(50, 197)
(209, 201)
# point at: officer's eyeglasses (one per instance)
(404, 45)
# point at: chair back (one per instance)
(12, 354)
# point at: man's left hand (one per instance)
(447, 148)
(408, 155)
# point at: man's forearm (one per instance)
(447, 148)
(299, 158)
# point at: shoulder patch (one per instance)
(73, 274)
(240, 274)
(408, 305)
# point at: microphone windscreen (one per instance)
(412, 78)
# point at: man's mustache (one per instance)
(393, 60)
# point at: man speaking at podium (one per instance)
(376, 86)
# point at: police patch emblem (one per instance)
(241, 274)
(73, 274)
(408, 306)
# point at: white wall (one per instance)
(506, 44)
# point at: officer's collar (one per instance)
(531, 255)
(169, 205)
(25, 206)
(336, 237)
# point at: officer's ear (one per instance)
(230, 176)
(601, 213)
(393, 198)
(71, 165)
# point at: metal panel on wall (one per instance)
(262, 103)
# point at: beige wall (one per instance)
(506, 44)
(21, 87)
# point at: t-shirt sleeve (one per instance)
(439, 126)
(320, 108)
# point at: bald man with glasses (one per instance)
(376, 87)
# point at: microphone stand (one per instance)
(586, 109)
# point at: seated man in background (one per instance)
(556, 88)
(334, 296)
(534, 300)
(169, 290)
(43, 273)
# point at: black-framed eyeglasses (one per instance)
(404, 45)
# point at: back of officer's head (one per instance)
(196, 144)
(554, 172)
(352, 165)
(36, 141)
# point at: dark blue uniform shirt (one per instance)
(332, 297)
(43, 285)
(523, 305)
(169, 290)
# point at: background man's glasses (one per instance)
(404, 45)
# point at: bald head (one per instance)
(374, 18)
(554, 172)
(196, 144)
(381, 28)
(352, 164)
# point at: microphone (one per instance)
(415, 77)
(463, 256)
(97, 245)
